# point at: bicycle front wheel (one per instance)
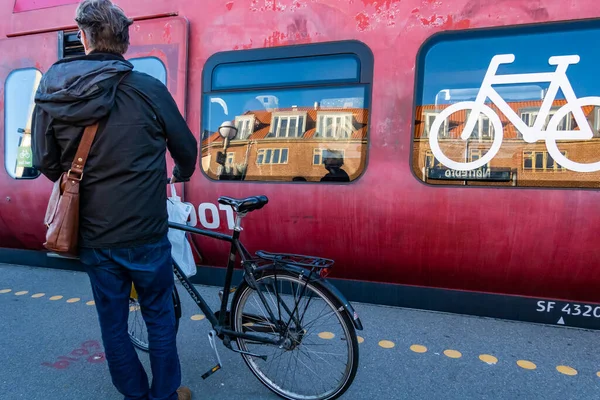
(553, 134)
(318, 358)
(136, 326)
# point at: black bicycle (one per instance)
(293, 328)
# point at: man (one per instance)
(123, 214)
(333, 161)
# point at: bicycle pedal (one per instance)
(211, 371)
(213, 344)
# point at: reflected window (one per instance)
(541, 161)
(430, 161)
(334, 125)
(507, 92)
(322, 154)
(245, 126)
(429, 118)
(151, 66)
(19, 89)
(483, 128)
(230, 159)
(301, 113)
(287, 125)
(476, 155)
(530, 119)
(272, 156)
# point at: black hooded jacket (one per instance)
(123, 191)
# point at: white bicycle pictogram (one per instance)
(24, 154)
(558, 80)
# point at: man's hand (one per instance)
(176, 177)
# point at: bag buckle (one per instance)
(76, 179)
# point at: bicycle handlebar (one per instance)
(556, 60)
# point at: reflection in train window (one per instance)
(541, 161)
(151, 66)
(19, 89)
(297, 117)
(496, 108)
(272, 156)
(320, 154)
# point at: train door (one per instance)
(22, 204)
(157, 47)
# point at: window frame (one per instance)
(318, 152)
(533, 113)
(427, 128)
(479, 154)
(6, 94)
(532, 155)
(507, 33)
(596, 129)
(481, 120)
(321, 115)
(364, 79)
(354, 47)
(264, 150)
(241, 119)
(434, 162)
(274, 133)
(227, 158)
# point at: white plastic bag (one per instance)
(181, 251)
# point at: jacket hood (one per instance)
(81, 90)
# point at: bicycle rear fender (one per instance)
(325, 285)
(342, 299)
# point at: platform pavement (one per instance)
(404, 354)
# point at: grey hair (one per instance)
(106, 26)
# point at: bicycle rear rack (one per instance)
(310, 262)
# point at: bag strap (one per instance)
(84, 146)
(82, 152)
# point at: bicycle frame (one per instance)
(558, 80)
(236, 248)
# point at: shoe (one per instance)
(184, 393)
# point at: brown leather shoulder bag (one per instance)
(62, 214)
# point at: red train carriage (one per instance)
(373, 129)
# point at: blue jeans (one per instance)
(150, 267)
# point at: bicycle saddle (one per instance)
(244, 205)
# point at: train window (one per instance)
(263, 73)
(301, 113)
(517, 106)
(151, 66)
(19, 89)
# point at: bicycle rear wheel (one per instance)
(136, 326)
(319, 357)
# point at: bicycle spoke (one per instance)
(304, 366)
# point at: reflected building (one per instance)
(290, 144)
(517, 163)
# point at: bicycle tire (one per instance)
(134, 307)
(332, 300)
